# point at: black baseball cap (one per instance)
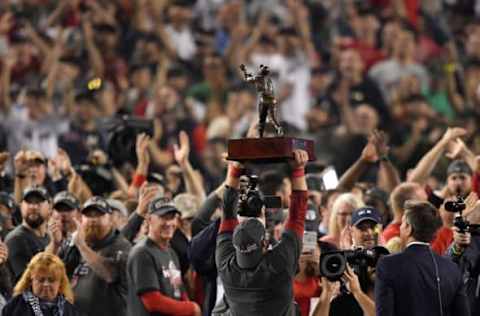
(247, 240)
(97, 203)
(162, 206)
(7, 200)
(38, 191)
(366, 213)
(459, 166)
(66, 198)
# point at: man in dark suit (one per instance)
(417, 281)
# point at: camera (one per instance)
(122, 137)
(98, 178)
(463, 225)
(251, 200)
(333, 264)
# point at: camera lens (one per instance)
(332, 266)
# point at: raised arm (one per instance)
(367, 158)
(298, 203)
(193, 182)
(429, 161)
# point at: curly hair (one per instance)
(46, 262)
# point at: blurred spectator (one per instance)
(154, 279)
(95, 260)
(43, 289)
(31, 237)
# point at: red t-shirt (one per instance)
(442, 241)
(303, 292)
(392, 230)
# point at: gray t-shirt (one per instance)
(93, 295)
(150, 268)
(22, 245)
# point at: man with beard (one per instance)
(95, 260)
(417, 281)
(154, 277)
(31, 236)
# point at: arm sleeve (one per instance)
(131, 229)
(384, 297)
(285, 255)
(155, 302)
(298, 209)
(229, 219)
(204, 214)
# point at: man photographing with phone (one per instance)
(257, 281)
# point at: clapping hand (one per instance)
(182, 150)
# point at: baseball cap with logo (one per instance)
(162, 206)
(187, 204)
(38, 191)
(117, 205)
(459, 166)
(248, 239)
(365, 213)
(97, 203)
(67, 199)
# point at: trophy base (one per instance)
(268, 149)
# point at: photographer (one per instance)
(465, 252)
(417, 281)
(257, 281)
(359, 299)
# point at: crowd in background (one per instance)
(135, 100)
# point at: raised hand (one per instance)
(452, 133)
(79, 235)
(369, 153)
(55, 229)
(21, 163)
(141, 148)
(147, 195)
(182, 151)
(379, 140)
(300, 159)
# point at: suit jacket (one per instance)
(406, 285)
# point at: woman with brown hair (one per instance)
(43, 290)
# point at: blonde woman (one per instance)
(340, 217)
(43, 290)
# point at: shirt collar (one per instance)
(420, 243)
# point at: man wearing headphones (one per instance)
(417, 281)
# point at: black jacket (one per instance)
(18, 307)
(469, 264)
(406, 284)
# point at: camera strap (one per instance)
(437, 277)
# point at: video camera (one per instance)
(122, 137)
(463, 225)
(333, 264)
(251, 200)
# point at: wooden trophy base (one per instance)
(268, 149)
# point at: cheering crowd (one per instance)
(116, 197)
